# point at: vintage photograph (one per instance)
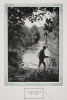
(33, 44)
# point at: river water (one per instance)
(30, 57)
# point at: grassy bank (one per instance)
(35, 75)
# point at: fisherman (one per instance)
(41, 56)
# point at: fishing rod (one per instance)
(46, 43)
(52, 41)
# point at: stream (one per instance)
(30, 57)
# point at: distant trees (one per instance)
(17, 15)
(35, 33)
(23, 36)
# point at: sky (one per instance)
(29, 24)
(38, 23)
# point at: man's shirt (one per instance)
(41, 54)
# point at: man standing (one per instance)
(42, 56)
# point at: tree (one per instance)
(17, 15)
(35, 33)
(53, 21)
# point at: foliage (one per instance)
(17, 15)
(21, 36)
(31, 75)
(35, 33)
(52, 22)
(16, 41)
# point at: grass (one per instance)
(35, 75)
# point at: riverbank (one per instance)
(29, 70)
(15, 58)
(26, 74)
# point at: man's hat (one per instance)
(44, 47)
